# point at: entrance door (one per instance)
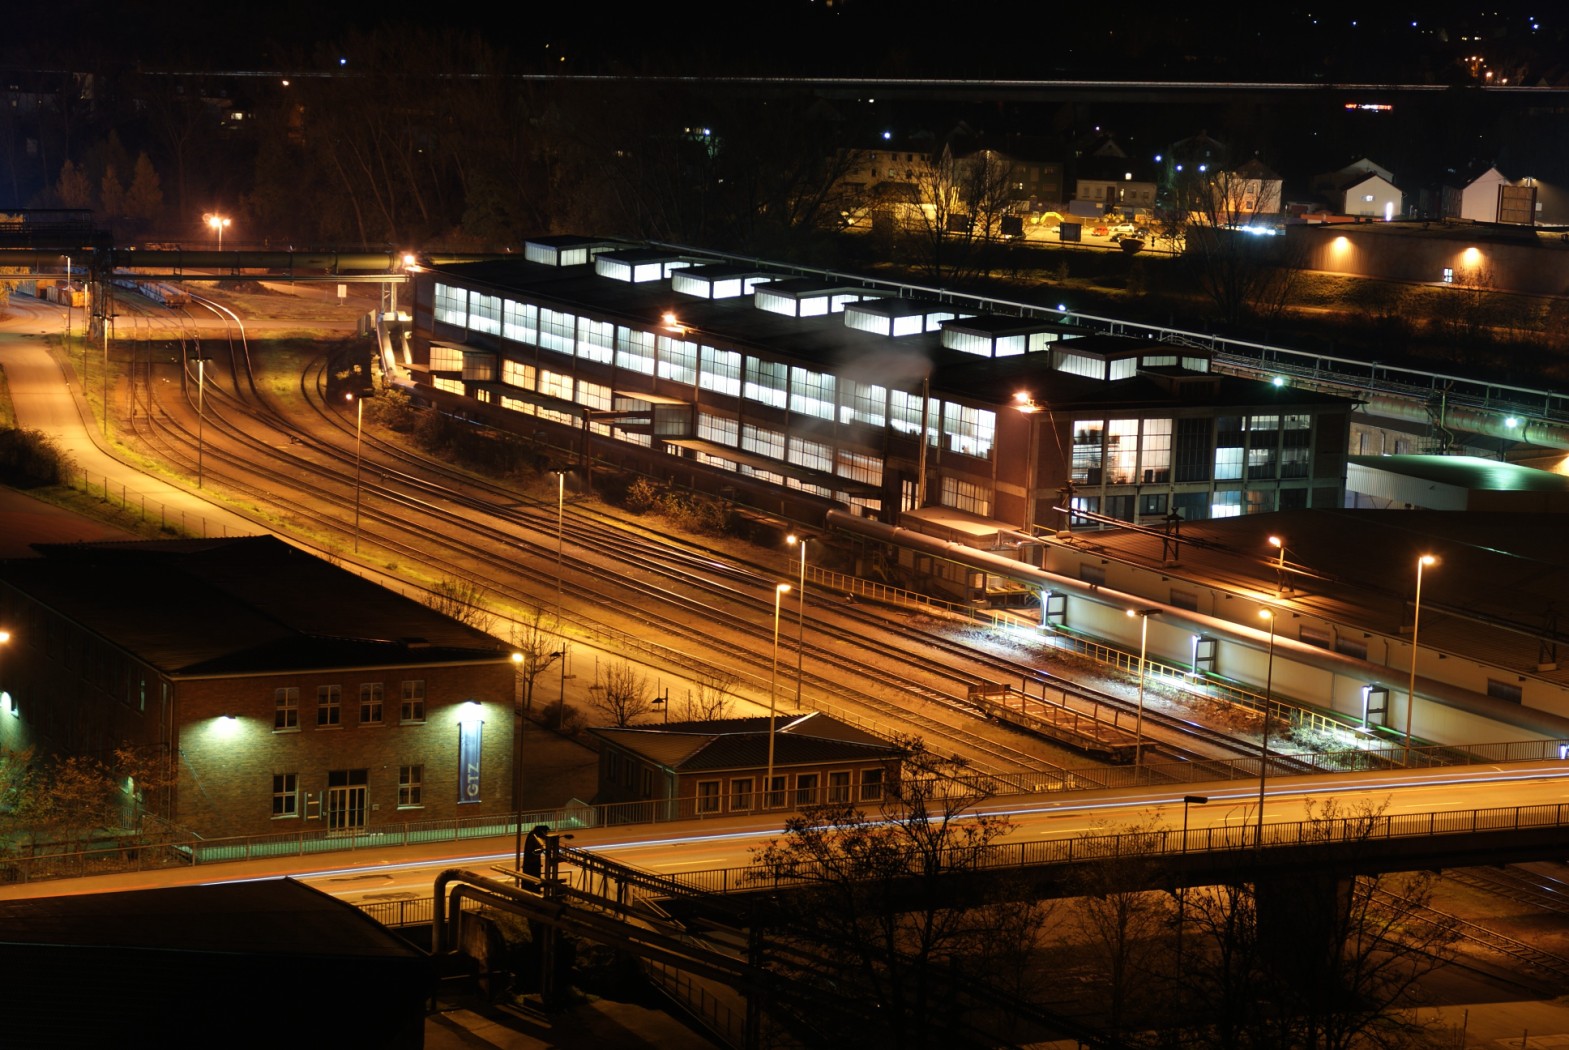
(346, 799)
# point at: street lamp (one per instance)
(780, 590)
(561, 503)
(1416, 620)
(1263, 747)
(800, 616)
(1138, 726)
(1182, 892)
(219, 223)
(1025, 403)
(517, 756)
(1280, 565)
(523, 680)
(201, 386)
(359, 424)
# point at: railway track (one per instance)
(507, 542)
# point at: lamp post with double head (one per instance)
(780, 590)
(1416, 620)
(219, 223)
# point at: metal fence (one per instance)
(1155, 843)
(23, 866)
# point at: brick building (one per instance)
(287, 693)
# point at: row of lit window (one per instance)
(747, 793)
(820, 395)
(329, 705)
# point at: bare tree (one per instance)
(622, 693)
(536, 646)
(462, 600)
(1325, 962)
(714, 689)
(952, 209)
(880, 922)
(1224, 219)
(1123, 924)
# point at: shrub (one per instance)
(30, 458)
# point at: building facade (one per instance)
(797, 391)
(721, 767)
(280, 693)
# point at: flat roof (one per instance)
(242, 605)
(1468, 472)
(901, 363)
(264, 916)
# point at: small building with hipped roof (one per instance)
(721, 766)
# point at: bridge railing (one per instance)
(1145, 844)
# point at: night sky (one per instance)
(1013, 39)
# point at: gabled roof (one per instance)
(742, 743)
(1256, 169)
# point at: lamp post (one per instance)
(5, 639)
(219, 223)
(1026, 403)
(525, 670)
(1280, 565)
(359, 425)
(201, 387)
(1138, 725)
(1416, 620)
(780, 590)
(517, 757)
(1263, 746)
(800, 616)
(561, 504)
(1182, 893)
(69, 299)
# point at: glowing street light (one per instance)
(525, 669)
(1138, 725)
(800, 616)
(780, 590)
(218, 223)
(1280, 565)
(5, 639)
(1263, 745)
(359, 422)
(1026, 403)
(1416, 620)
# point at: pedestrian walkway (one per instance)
(48, 397)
